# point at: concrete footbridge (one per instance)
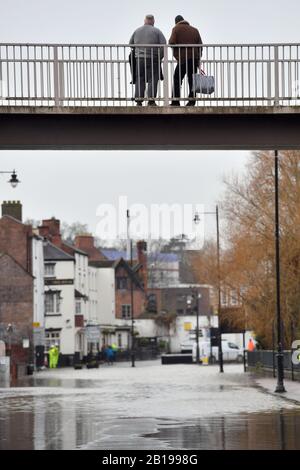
(83, 96)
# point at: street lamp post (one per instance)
(280, 385)
(197, 327)
(197, 220)
(132, 313)
(219, 293)
(131, 294)
(195, 295)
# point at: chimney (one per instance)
(142, 259)
(56, 240)
(86, 242)
(50, 229)
(53, 226)
(12, 208)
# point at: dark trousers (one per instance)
(188, 67)
(147, 71)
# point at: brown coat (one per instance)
(184, 33)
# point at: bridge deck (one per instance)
(148, 128)
(151, 110)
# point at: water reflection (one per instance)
(64, 422)
(277, 430)
(56, 382)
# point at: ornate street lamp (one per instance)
(14, 181)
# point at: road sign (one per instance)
(92, 334)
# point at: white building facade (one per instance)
(59, 278)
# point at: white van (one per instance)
(231, 352)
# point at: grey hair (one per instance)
(150, 18)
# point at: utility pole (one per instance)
(131, 294)
(280, 385)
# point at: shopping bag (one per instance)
(203, 83)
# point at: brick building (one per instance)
(21, 292)
(15, 238)
(16, 313)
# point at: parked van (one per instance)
(231, 352)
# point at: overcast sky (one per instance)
(70, 185)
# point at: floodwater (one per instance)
(147, 407)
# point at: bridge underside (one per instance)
(161, 128)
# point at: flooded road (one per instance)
(147, 407)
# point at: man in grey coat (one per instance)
(147, 60)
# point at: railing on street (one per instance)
(100, 75)
(267, 360)
(141, 354)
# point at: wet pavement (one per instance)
(151, 406)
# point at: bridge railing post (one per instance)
(276, 78)
(166, 76)
(58, 72)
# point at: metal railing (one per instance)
(100, 75)
(267, 360)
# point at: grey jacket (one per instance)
(148, 35)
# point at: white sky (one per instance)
(70, 185)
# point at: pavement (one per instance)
(268, 385)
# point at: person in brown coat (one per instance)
(187, 57)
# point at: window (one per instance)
(58, 302)
(49, 270)
(223, 298)
(126, 311)
(49, 303)
(52, 302)
(233, 297)
(119, 340)
(52, 338)
(78, 307)
(121, 282)
(152, 303)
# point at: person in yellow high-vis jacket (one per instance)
(53, 356)
(56, 355)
